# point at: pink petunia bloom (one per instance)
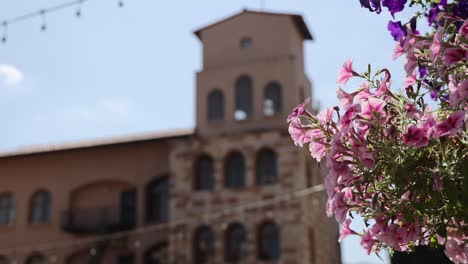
(410, 80)
(325, 117)
(348, 117)
(346, 72)
(368, 242)
(458, 92)
(371, 107)
(415, 137)
(463, 31)
(412, 111)
(298, 110)
(398, 50)
(366, 157)
(346, 230)
(363, 94)
(411, 61)
(436, 45)
(318, 149)
(451, 126)
(299, 135)
(454, 55)
(346, 99)
(455, 250)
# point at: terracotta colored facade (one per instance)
(101, 195)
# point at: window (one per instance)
(215, 105)
(268, 241)
(243, 98)
(204, 178)
(272, 102)
(157, 254)
(36, 259)
(246, 43)
(41, 207)
(203, 246)
(127, 259)
(157, 200)
(235, 171)
(267, 171)
(7, 209)
(4, 260)
(235, 239)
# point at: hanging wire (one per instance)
(5, 31)
(44, 22)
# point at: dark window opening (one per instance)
(235, 171)
(157, 200)
(246, 43)
(127, 259)
(215, 105)
(243, 96)
(272, 102)
(267, 171)
(235, 243)
(269, 242)
(36, 259)
(4, 260)
(41, 207)
(203, 245)
(204, 174)
(7, 209)
(128, 208)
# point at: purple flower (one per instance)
(423, 71)
(397, 30)
(461, 9)
(394, 6)
(432, 15)
(372, 5)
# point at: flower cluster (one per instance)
(400, 159)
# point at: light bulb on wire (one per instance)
(43, 25)
(5, 28)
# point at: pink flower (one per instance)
(368, 242)
(318, 149)
(410, 80)
(299, 135)
(436, 46)
(363, 94)
(411, 61)
(453, 55)
(373, 106)
(415, 137)
(450, 126)
(427, 124)
(348, 117)
(325, 116)
(345, 230)
(456, 251)
(346, 72)
(299, 110)
(437, 182)
(398, 50)
(366, 157)
(346, 99)
(412, 111)
(458, 92)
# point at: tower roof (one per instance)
(297, 19)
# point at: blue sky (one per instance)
(118, 71)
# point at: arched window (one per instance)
(235, 171)
(215, 105)
(267, 171)
(204, 174)
(203, 245)
(268, 241)
(41, 207)
(157, 254)
(36, 259)
(244, 103)
(7, 209)
(235, 237)
(4, 260)
(272, 102)
(157, 200)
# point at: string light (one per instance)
(46, 11)
(171, 225)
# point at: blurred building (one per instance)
(209, 195)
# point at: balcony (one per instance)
(97, 220)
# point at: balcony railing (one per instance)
(96, 220)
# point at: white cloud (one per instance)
(11, 75)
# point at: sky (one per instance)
(119, 71)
